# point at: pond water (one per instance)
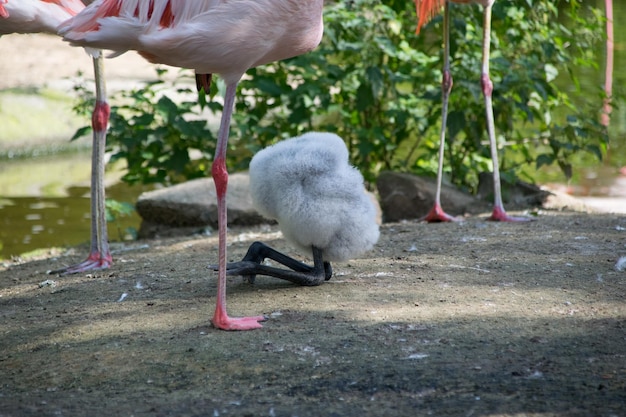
(44, 201)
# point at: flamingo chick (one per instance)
(226, 37)
(35, 16)
(426, 10)
(307, 184)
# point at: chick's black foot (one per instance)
(299, 273)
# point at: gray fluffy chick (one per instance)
(308, 186)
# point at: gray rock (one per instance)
(192, 206)
(406, 196)
(519, 194)
(524, 195)
(557, 200)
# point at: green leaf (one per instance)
(543, 159)
(81, 132)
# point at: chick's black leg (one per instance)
(299, 273)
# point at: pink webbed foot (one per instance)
(499, 215)
(95, 262)
(436, 214)
(223, 322)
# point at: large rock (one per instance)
(192, 206)
(406, 196)
(525, 195)
(519, 194)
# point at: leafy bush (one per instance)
(375, 82)
(162, 141)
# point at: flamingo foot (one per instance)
(436, 214)
(499, 215)
(223, 322)
(95, 262)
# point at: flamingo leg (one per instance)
(99, 253)
(498, 214)
(299, 273)
(220, 177)
(608, 72)
(436, 213)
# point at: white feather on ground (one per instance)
(620, 265)
(307, 184)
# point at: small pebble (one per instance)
(47, 283)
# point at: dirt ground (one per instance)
(469, 319)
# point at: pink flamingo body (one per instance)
(34, 16)
(226, 37)
(426, 10)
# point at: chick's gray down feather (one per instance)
(307, 184)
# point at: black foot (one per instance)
(298, 273)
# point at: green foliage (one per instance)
(376, 83)
(156, 136)
(538, 100)
(361, 83)
(162, 139)
(117, 209)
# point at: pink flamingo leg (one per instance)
(436, 214)
(498, 214)
(608, 72)
(221, 320)
(99, 254)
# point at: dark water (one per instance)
(52, 213)
(30, 223)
